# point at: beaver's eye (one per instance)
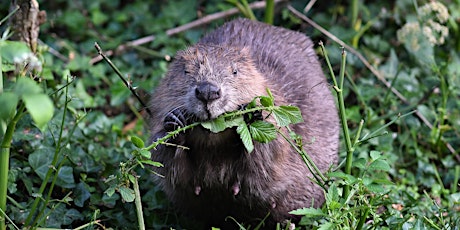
(186, 72)
(235, 72)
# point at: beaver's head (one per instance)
(206, 81)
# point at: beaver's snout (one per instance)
(207, 91)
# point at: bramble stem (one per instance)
(138, 202)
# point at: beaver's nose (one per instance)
(206, 91)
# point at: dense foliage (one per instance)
(77, 116)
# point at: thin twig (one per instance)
(120, 75)
(309, 6)
(371, 68)
(199, 22)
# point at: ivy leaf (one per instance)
(127, 194)
(245, 136)
(262, 131)
(285, 115)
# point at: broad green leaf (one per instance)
(220, 123)
(69, 216)
(215, 125)
(41, 160)
(127, 194)
(285, 115)
(65, 177)
(379, 164)
(349, 179)
(376, 188)
(308, 212)
(359, 163)
(139, 143)
(81, 194)
(12, 51)
(8, 102)
(375, 155)
(245, 136)
(262, 131)
(40, 108)
(25, 86)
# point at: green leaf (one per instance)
(245, 136)
(110, 191)
(25, 86)
(220, 123)
(379, 164)
(81, 194)
(215, 125)
(327, 226)
(138, 142)
(266, 101)
(308, 212)
(153, 163)
(375, 155)
(131, 178)
(349, 179)
(40, 108)
(11, 51)
(262, 131)
(8, 102)
(127, 194)
(376, 188)
(65, 177)
(270, 94)
(285, 115)
(41, 160)
(145, 153)
(360, 163)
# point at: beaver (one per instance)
(214, 176)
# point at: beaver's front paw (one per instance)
(174, 120)
(251, 117)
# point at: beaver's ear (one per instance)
(186, 54)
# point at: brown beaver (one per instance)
(215, 177)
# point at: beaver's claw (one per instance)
(251, 117)
(174, 120)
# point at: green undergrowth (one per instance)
(75, 139)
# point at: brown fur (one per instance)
(216, 177)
